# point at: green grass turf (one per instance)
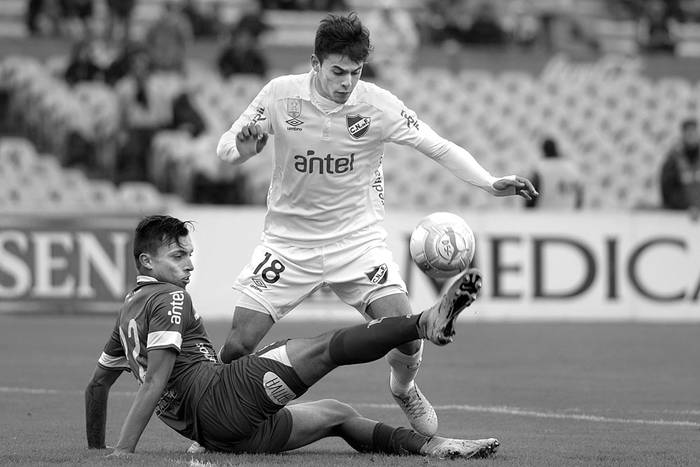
(554, 394)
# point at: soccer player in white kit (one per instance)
(324, 210)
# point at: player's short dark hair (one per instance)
(342, 35)
(154, 231)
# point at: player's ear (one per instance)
(315, 63)
(145, 261)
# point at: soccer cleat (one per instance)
(437, 324)
(450, 448)
(419, 411)
(196, 448)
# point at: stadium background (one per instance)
(614, 110)
(66, 214)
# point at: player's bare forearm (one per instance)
(96, 396)
(160, 365)
(140, 413)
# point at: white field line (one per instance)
(551, 415)
(504, 410)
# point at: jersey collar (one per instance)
(141, 279)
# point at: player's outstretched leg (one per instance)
(438, 321)
(316, 420)
(315, 357)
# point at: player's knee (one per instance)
(235, 348)
(338, 411)
(410, 348)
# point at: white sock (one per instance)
(403, 369)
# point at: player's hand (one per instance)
(515, 185)
(251, 140)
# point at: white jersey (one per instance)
(327, 179)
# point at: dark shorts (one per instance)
(244, 410)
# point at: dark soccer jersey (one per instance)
(159, 315)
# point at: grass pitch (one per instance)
(574, 394)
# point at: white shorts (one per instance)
(359, 269)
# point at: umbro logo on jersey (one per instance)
(294, 123)
(378, 274)
(357, 125)
(260, 283)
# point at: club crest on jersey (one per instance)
(294, 111)
(357, 125)
(378, 274)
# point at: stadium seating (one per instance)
(614, 121)
(32, 182)
(609, 118)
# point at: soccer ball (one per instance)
(442, 245)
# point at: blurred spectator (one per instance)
(324, 5)
(557, 179)
(656, 28)
(451, 20)
(168, 38)
(242, 54)
(76, 15)
(42, 15)
(119, 19)
(121, 65)
(461, 22)
(203, 17)
(485, 27)
(318, 5)
(141, 118)
(394, 36)
(526, 28)
(80, 152)
(82, 65)
(280, 4)
(186, 117)
(222, 185)
(32, 15)
(680, 174)
(252, 17)
(561, 30)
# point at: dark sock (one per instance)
(371, 341)
(389, 440)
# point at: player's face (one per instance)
(173, 262)
(337, 76)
